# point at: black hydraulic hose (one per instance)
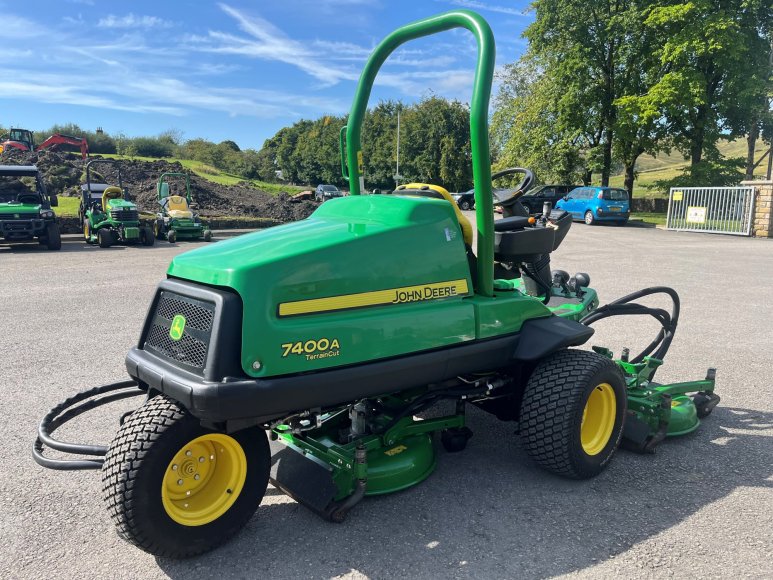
(625, 306)
(67, 410)
(538, 282)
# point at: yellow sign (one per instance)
(677, 196)
(419, 293)
(696, 215)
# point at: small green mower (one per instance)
(304, 354)
(176, 220)
(107, 215)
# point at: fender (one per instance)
(543, 336)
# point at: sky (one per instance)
(234, 70)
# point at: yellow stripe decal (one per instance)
(418, 293)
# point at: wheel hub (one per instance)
(204, 479)
(598, 419)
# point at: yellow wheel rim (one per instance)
(598, 419)
(86, 233)
(204, 479)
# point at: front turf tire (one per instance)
(151, 445)
(53, 237)
(572, 413)
(105, 238)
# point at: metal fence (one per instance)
(718, 210)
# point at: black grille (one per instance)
(125, 215)
(196, 316)
(21, 216)
(191, 349)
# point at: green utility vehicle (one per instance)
(107, 215)
(25, 207)
(305, 354)
(176, 220)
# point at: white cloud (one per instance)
(268, 42)
(477, 5)
(132, 21)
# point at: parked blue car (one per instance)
(597, 204)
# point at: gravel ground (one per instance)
(702, 506)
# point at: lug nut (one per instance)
(201, 459)
(179, 482)
(174, 467)
(188, 453)
(197, 477)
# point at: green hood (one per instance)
(120, 204)
(13, 207)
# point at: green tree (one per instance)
(529, 130)
(712, 55)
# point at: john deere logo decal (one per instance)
(178, 326)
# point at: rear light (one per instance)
(600, 195)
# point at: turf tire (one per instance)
(147, 236)
(53, 237)
(171, 236)
(133, 472)
(552, 411)
(105, 238)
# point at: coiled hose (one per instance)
(625, 306)
(66, 411)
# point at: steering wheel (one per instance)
(509, 196)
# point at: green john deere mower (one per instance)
(107, 215)
(176, 220)
(305, 354)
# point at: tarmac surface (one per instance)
(702, 506)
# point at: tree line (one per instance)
(606, 81)
(434, 146)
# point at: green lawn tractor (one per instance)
(305, 354)
(107, 215)
(176, 220)
(25, 208)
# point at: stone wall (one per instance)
(762, 224)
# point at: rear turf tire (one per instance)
(572, 413)
(589, 219)
(53, 237)
(152, 442)
(171, 236)
(207, 235)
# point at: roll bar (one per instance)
(481, 160)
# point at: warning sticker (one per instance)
(696, 215)
(677, 196)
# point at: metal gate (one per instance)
(717, 210)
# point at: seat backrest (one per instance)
(177, 203)
(163, 190)
(437, 192)
(112, 192)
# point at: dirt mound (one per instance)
(63, 175)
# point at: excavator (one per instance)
(22, 139)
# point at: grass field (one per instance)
(667, 166)
(68, 206)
